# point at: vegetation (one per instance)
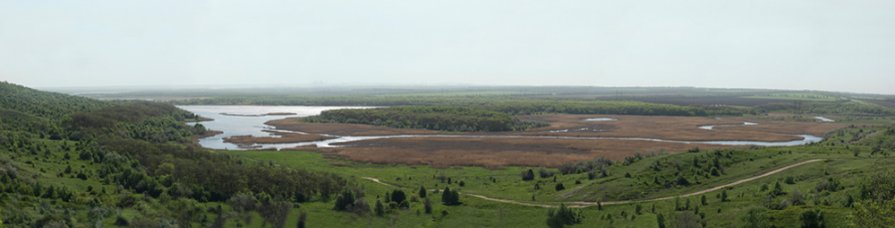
(103, 157)
(581, 100)
(441, 118)
(115, 163)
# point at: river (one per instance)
(249, 120)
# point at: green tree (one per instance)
(422, 192)
(302, 219)
(660, 219)
(379, 209)
(562, 217)
(427, 206)
(450, 197)
(755, 218)
(813, 219)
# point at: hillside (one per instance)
(69, 161)
(84, 162)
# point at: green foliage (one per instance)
(379, 209)
(47, 105)
(812, 219)
(450, 197)
(755, 218)
(443, 118)
(110, 151)
(877, 205)
(562, 217)
(559, 187)
(422, 192)
(528, 175)
(344, 201)
(874, 213)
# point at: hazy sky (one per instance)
(789, 44)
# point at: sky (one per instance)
(776, 44)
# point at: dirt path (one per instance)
(582, 204)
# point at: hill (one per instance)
(68, 161)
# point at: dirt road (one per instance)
(582, 204)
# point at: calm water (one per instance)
(250, 124)
(249, 120)
(823, 119)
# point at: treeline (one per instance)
(500, 103)
(36, 112)
(441, 118)
(838, 107)
(51, 106)
(151, 135)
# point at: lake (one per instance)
(236, 120)
(246, 120)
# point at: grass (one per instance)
(840, 165)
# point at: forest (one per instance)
(442, 118)
(539, 99)
(115, 150)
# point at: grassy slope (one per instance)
(842, 165)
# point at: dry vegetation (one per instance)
(681, 128)
(296, 124)
(278, 138)
(495, 152)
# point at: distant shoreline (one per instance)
(260, 115)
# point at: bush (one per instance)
(812, 219)
(562, 217)
(528, 175)
(544, 173)
(560, 187)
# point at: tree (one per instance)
(528, 175)
(560, 187)
(755, 218)
(344, 201)
(797, 198)
(849, 201)
(778, 190)
(562, 217)
(813, 219)
(422, 192)
(379, 209)
(874, 213)
(789, 180)
(427, 206)
(703, 200)
(723, 195)
(275, 211)
(682, 181)
(660, 219)
(398, 196)
(450, 197)
(877, 205)
(687, 219)
(302, 219)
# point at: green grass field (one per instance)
(840, 164)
